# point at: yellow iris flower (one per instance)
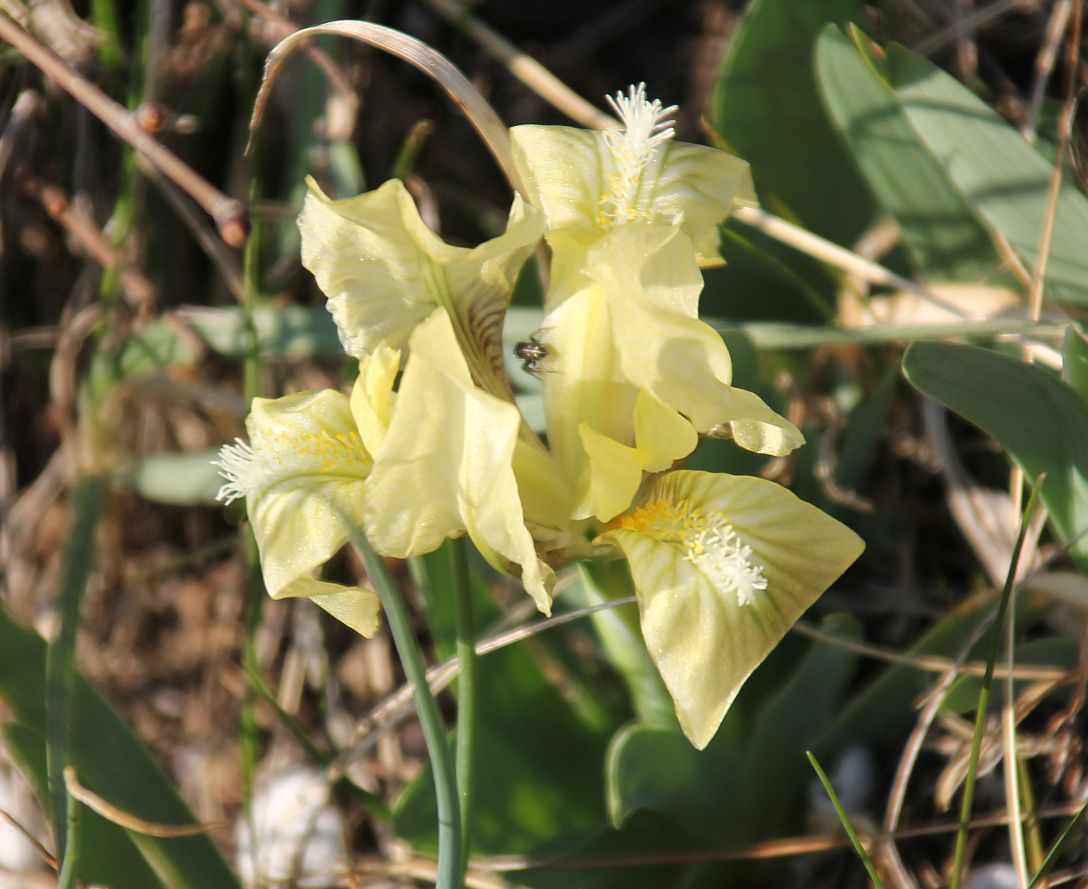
(722, 565)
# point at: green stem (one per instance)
(960, 854)
(434, 733)
(250, 741)
(466, 688)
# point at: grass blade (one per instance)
(845, 819)
(1055, 850)
(984, 692)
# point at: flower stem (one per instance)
(466, 688)
(450, 870)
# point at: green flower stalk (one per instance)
(722, 565)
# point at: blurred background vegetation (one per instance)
(921, 137)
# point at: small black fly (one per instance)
(531, 352)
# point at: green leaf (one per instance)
(111, 761)
(1075, 362)
(289, 332)
(1038, 420)
(1052, 651)
(177, 479)
(107, 856)
(865, 427)
(60, 669)
(775, 774)
(766, 106)
(1000, 175)
(942, 234)
(886, 708)
(656, 768)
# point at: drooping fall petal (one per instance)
(446, 466)
(723, 566)
(303, 475)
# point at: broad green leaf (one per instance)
(1039, 420)
(177, 479)
(767, 108)
(1075, 362)
(945, 239)
(107, 855)
(60, 667)
(884, 709)
(656, 768)
(775, 775)
(1055, 651)
(865, 426)
(291, 332)
(111, 761)
(1000, 175)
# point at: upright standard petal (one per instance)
(583, 179)
(384, 271)
(303, 476)
(446, 466)
(623, 321)
(723, 566)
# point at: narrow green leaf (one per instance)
(1028, 410)
(945, 239)
(770, 335)
(1000, 175)
(884, 709)
(1056, 850)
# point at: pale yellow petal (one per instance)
(623, 321)
(302, 474)
(563, 172)
(662, 435)
(614, 472)
(357, 607)
(375, 259)
(384, 272)
(654, 264)
(372, 396)
(574, 176)
(546, 493)
(446, 466)
(610, 479)
(723, 566)
(684, 364)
